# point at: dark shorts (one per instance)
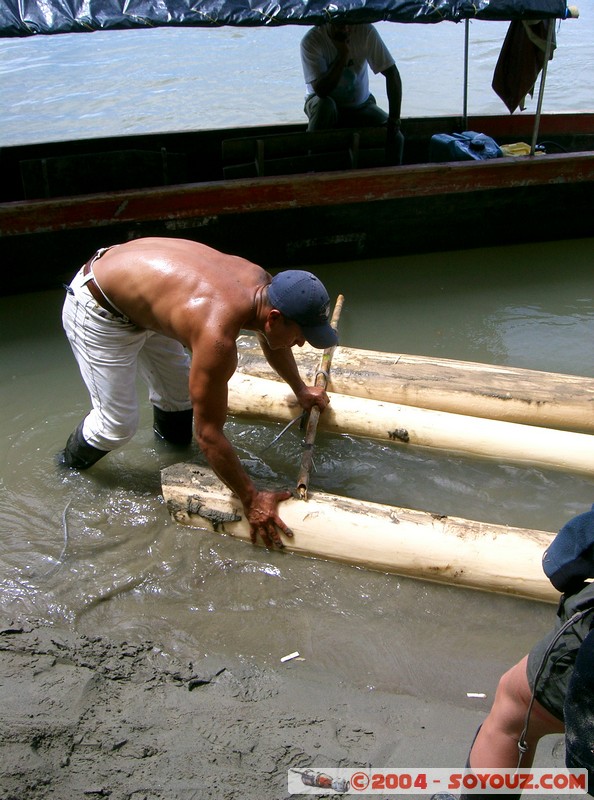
(579, 713)
(549, 673)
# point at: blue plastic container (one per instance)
(467, 146)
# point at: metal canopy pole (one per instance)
(465, 102)
(543, 78)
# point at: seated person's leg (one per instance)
(321, 112)
(369, 115)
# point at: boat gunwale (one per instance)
(274, 193)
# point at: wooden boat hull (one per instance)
(305, 218)
(443, 549)
(509, 394)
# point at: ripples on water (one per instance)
(529, 306)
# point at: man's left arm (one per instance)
(395, 139)
(394, 93)
(283, 363)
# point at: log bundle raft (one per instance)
(510, 394)
(406, 426)
(504, 413)
(496, 558)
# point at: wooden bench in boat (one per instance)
(88, 173)
(291, 153)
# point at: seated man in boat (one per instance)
(551, 690)
(135, 307)
(336, 58)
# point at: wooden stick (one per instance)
(321, 379)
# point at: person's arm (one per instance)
(394, 93)
(326, 83)
(283, 363)
(395, 139)
(213, 364)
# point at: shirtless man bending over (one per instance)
(135, 307)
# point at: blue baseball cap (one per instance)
(569, 559)
(302, 298)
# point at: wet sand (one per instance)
(88, 716)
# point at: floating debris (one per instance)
(290, 657)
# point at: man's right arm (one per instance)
(209, 376)
(326, 83)
(323, 79)
(208, 392)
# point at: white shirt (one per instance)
(366, 48)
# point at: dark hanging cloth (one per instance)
(521, 59)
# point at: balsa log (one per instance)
(404, 426)
(402, 541)
(511, 394)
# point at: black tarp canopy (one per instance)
(29, 17)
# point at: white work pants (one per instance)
(110, 352)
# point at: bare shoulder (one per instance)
(180, 287)
(170, 256)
